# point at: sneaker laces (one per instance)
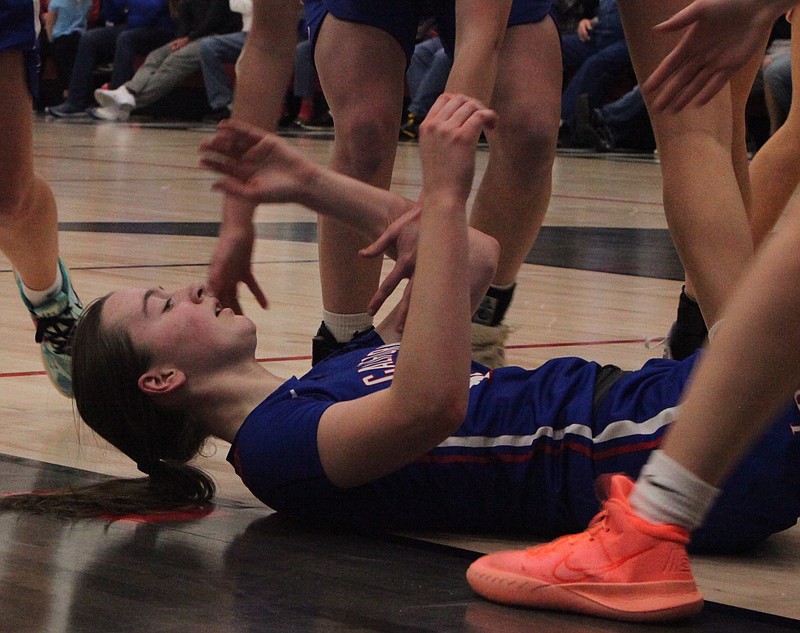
(56, 330)
(598, 524)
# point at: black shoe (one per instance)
(409, 131)
(590, 131)
(494, 305)
(321, 122)
(688, 333)
(324, 343)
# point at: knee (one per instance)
(366, 143)
(527, 135)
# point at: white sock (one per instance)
(666, 492)
(343, 326)
(504, 287)
(38, 297)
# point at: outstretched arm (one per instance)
(263, 71)
(369, 437)
(720, 36)
(259, 167)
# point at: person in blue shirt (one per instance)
(133, 29)
(65, 21)
(399, 429)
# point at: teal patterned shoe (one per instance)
(55, 321)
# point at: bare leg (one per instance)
(361, 69)
(775, 169)
(741, 84)
(265, 66)
(515, 191)
(710, 232)
(752, 366)
(263, 73)
(28, 217)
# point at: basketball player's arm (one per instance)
(366, 438)
(719, 37)
(480, 30)
(263, 71)
(259, 167)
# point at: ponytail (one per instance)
(172, 487)
(105, 370)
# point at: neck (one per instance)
(223, 403)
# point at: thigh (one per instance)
(528, 90)
(361, 69)
(142, 40)
(16, 125)
(397, 18)
(574, 52)
(101, 40)
(185, 59)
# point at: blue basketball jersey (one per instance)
(19, 30)
(525, 460)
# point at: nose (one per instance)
(195, 292)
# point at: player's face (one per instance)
(186, 329)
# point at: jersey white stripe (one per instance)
(614, 431)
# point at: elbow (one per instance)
(484, 258)
(448, 412)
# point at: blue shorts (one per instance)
(19, 30)
(400, 18)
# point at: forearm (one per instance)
(237, 215)
(366, 208)
(480, 29)
(436, 348)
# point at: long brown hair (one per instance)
(105, 370)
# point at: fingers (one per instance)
(255, 288)
(379, 246)
(386, 288)
(463, 113)
(681, 19)
(234, 138)
(402, 307)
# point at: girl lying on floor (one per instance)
(400, 429)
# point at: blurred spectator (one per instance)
(216, 52)
(595, 59)
(426, 78)
(64, 22)
(135, 27)
(167, 66)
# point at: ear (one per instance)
(156, 382)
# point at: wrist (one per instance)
(311, 185)
(445, 199)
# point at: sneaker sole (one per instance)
(107, 102)
(630, 602)
(52, 379)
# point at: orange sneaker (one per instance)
(622, 567)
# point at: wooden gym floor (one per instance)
(135, 209)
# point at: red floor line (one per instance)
(281, 359)
(577, 343)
